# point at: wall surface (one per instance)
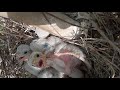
(52, 24)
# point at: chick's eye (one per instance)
(45, 45)
(25, 52)
(37, 55)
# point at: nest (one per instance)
(102, 45)
(12, 34)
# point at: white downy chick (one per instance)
(68, 67)
(45, 45)
(53, 40)
(55, 44)
(69, 49)
(22, 55)
(38, 45)
(36, 60)
(68, 59)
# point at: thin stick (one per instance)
(110, 42)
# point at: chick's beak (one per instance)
(41, 62)
(44, 59)
(35, 63)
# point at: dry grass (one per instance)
(11, 35)
(102, 45)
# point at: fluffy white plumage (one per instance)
(45, 45)
(23, 54)
(55, 46)
(35, 60)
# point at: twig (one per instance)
(15, 35)
(109, 33)
(8, 28)
(110, 42)
(13, 21)
(108, 60)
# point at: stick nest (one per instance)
(102, 45)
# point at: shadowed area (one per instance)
(46, 21)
